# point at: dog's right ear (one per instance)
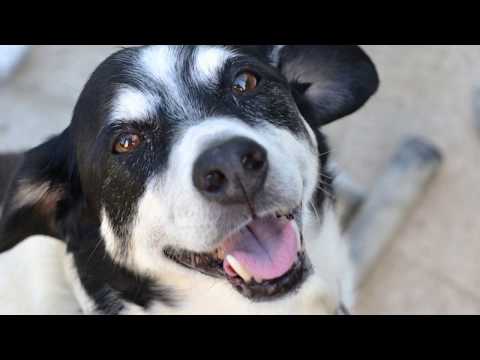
(39, 192)
(328, 82)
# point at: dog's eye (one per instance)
(244, 82)
(127, 143)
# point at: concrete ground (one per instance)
(432, 266)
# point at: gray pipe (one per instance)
(392, 197)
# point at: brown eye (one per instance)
(244, 82)
(127, 143)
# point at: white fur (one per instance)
(109, 237)
(208, 64)
(330, 254)
(276, 54)
(160, 63)
(87, 305)
(132, 104)
(32, 280)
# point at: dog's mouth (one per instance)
(264, 260)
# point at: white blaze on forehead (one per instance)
(165, 65)
(161, 63)
(276, 54)
(209, 62)
(132, 104)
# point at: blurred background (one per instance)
(432, 266)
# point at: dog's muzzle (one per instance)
(263, 258)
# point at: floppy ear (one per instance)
(38, 193)
(329, 81)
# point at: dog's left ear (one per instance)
(328, 81)
(39, 192)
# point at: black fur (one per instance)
(50, 163)
(336, 79)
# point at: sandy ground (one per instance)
(432, 265)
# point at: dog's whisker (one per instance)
(327, 193)
(325, 153)
(94, 249)
(322, 174)
(315, 210)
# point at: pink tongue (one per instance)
(267, 249)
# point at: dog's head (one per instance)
(204, 157)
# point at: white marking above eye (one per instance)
(130, 103)
(209, 63)
(160, 61)
(275, 56)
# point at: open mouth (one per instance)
(263, 260)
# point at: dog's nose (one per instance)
(232, 172)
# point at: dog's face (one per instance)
(207, 158)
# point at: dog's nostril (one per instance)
(214, 181)
(254, 161)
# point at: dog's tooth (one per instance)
(299, 236)
(258, 280)
(239, 269)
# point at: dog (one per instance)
(196, 180)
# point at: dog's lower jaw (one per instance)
(195, 293)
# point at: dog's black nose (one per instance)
(232, 172)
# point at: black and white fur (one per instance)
(116, 213)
